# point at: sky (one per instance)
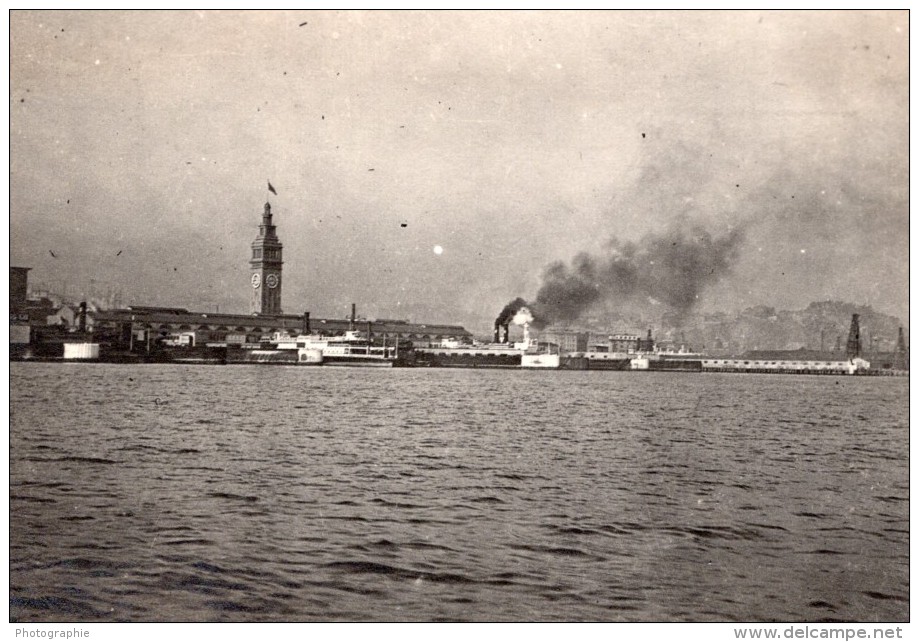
(141, 144)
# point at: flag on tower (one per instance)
(271, 188)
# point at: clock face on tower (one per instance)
(271, 281)
(256, 280)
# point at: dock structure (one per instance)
(787, 366)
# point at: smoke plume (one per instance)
(522, 317)
(511, 309)
(672, 268)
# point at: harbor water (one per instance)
(248, 493)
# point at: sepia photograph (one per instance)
(466, 316)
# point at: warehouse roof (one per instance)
(230, 322)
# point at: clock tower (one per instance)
(265, 266)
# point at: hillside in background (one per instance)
(822, 325)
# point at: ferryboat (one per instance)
(352, 349)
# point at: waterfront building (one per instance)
(566, 339)
(623, 342)
(200, 328)
(19, 287)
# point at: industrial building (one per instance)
(25, 314)
(19, 287)
(579, 341)
(567, 340)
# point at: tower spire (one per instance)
(266, 215)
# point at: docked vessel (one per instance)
(451, 354)
(528, 353)
(595, 361)
(351, 349)
(540, 358)
(681, 360)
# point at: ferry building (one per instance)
(146, 324)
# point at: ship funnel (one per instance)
(81, 323)
(306, 323)
(499, 324)
(353, 315)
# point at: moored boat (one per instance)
(528, 353)
(351, 349)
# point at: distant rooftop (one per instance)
(158, 315)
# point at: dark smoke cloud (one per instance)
(510, 310)
(672, 268)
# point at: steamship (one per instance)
(528, 353)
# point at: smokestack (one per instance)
(497, 332)
(306, 323)
(507, 333)
(854, 343)
(81, 323)
(901, 357)
(369, 331)
(649, 343)
(353, 315)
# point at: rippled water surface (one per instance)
(186, 493)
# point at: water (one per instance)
(184, 493)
